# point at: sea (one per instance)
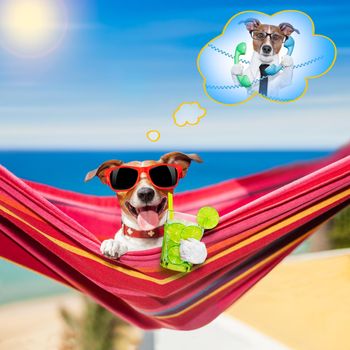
(67, 169)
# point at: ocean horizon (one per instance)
(67, 169)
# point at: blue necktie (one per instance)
(263, 82)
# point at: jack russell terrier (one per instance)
(267, 43)
(142, 190)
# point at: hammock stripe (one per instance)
(264, 217)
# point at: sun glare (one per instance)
(31, 27)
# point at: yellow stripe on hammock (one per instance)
(159, 281)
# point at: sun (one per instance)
(31, 27)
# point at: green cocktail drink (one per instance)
(179, 227)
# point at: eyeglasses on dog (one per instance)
(260, 35)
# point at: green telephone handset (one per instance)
(241, 49)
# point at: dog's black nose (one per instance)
(266, 49)
(146, 194)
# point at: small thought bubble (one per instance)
(153, 135)
(188, 113)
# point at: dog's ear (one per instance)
(250, 23)
(182, 159)
(287, 29)
(101, 170)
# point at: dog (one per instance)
(144, 208)
(267, 43)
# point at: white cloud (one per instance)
(225, 128)
(314, 122)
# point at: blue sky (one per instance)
(123, 68)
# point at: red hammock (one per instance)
(264, 217)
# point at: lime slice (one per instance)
(171, 243)
(192, 231)
(174, 255)
(174, 231)
(207, 217)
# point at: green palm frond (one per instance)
(96, 329)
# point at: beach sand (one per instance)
(303, 303)
(36, 324)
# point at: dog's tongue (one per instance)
(148, 220)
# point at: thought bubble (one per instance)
(188, 114)
(268, 55)
(153, 135)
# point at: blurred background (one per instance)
(82, 82)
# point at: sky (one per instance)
(122, 68)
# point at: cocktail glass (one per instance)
(179, 226)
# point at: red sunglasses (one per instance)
(125, 177)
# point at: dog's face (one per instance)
(268, 39)
(144, 201)
(272, 43)
(144, 206)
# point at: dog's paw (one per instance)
(113, 249)
(287, 61)
(237, 69)
(193, 251)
